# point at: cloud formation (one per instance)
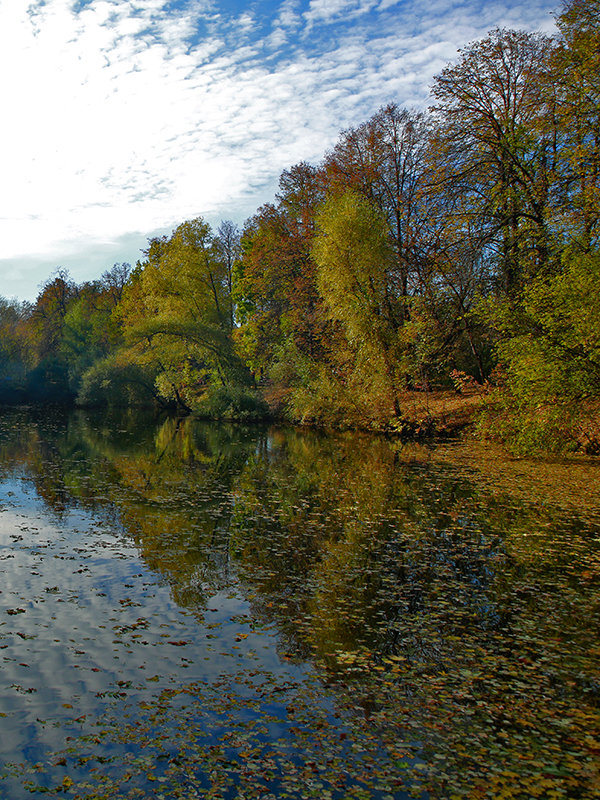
(125, 117)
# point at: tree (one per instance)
(384, 160)
(280, 312)
(113, 281)
(50, 309)
(496, 149)
(176, 314)
(229, 248)
(48, 380)
(15, 351)
(353, 255)
(549, 351)
(90, 329)
(575, 70)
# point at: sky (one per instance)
(123, 118)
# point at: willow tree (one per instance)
(354, 257)
(175, 314)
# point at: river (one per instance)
(192, 609)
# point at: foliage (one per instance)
(232, 403)
(575, 68)
(14, 353)
(490, 133)
(354, 257)
(424, 245)
(274, 284)
(116, 381)
(177, 313)
(550, 353)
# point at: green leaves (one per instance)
(550, 349)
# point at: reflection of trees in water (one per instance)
(165, 482)
(362, 551)
(438, 609)
(347, 542)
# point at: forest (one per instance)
(427, 252)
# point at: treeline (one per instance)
(426, 248)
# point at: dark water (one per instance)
(201, 610)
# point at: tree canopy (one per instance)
(462, 241)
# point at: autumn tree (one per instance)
(48, 379)
(90, 327)
(384, 160)
(282, 325)
(353, 254)
(491, 145)
(15, 351)
(228, 244)
(549, 351)
(575, 68)
(50, 309)
(176, 317)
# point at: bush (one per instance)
(112, 382)
(232, 403)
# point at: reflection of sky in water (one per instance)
(83, 619)
(283, 588)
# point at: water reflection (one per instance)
(449, 614)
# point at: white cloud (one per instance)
(125, 119)
(289, 16)
(329, 10)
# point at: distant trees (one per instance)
(15, 349)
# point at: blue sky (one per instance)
(123, 118)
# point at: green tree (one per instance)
(228, 244)
(354, 256)
(48, 380)
(283, 331)
(90, 329)
(176, 318)
(384, 160)
(550, 356)
(15, 350)
(574, 74)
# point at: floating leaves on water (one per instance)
(357, 620)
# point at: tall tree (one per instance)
(495, 148)
(353, 252)
(229, 248)
(278, 303)
(575, 70)
(50, 309)
(175, 313)
(384, 160)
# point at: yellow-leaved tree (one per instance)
(176, 319)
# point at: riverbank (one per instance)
(441, 412)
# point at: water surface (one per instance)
(202, 610)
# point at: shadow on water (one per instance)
(244, 612)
